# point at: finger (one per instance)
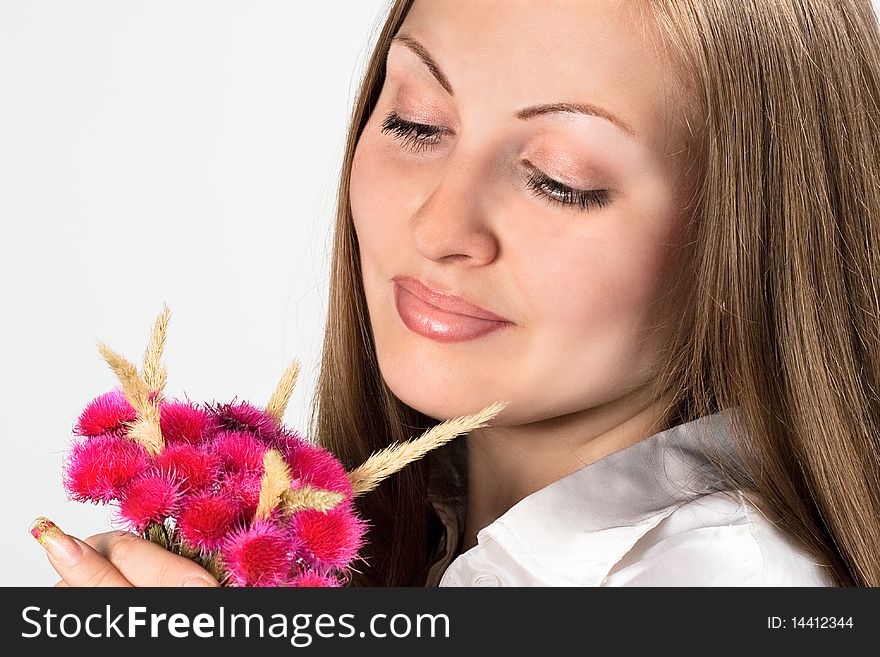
(143, 563)
(61, 584)
(77, 563)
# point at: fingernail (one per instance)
(59, 545)
(196, 581)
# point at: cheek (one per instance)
(365, 184)
(379, 195)
(590, 300)
(598, 285)
(613, 265)
(607, 281)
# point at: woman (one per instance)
(652, 228)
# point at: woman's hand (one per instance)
(115, 558)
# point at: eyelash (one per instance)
(419, 137)
(413, 135)
(564, 195)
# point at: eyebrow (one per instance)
(525, 113)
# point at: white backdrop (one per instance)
(182, 151)
(168, 151)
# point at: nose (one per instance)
(452, 225)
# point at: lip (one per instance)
(441, 316)
(446, 301)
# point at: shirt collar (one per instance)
(574, 530)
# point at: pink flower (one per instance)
(259, 555)
(329, 539)
(246, 417)
(238, 450)
(206, 480)
(206, 518)
(285, 440)
(192, 468)
(152, 497)
(317, 466)
(98, 469)
(317, 579)
(106, 413)
(186, 422)
(243, 486)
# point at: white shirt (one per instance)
(656, 513)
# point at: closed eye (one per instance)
(415, 136)
(558, 193)
(419, 137)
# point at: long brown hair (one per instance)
(782, 310)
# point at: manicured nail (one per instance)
(196, 581)
(59, 545)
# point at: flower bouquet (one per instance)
(228, 484)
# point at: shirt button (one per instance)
(486, 579)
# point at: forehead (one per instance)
(509, 54)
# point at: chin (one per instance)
(435, 380)
(427, 396)
(434, 397)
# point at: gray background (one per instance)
(173, 151)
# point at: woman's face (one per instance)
(475, 202)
